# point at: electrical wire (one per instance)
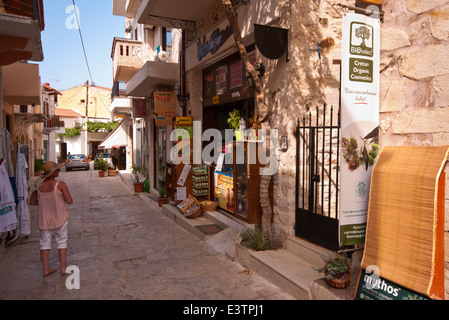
(82, 42)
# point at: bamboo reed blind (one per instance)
(405, 224)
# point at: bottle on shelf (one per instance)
(242, 125)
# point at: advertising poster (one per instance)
(165, 108)
(359, 122)
(224, 191)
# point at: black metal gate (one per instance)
(317, 174)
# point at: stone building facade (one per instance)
(414, 99)
(414, 105)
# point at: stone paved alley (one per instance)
(126, 249)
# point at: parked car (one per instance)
(76, 161)
(106, 156)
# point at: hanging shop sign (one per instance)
(359, 122)
(165, 108)
(216, 40)
(272, 42)
(139, 108)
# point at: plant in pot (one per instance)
(162, 199)
(111, 171)
(38, 164)
(234, 123)
(336, 270)
(102, 166)
(139, 177)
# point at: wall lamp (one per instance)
(284, 143)
(260, 71)
(182, 99)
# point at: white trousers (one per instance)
(61, 235)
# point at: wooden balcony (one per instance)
(127, 56)
(53, 123)
(27, 8)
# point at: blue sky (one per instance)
(64, 65)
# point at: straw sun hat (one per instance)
(49, 167)
(47, 170)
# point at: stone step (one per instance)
(308, 251)
(281, 267)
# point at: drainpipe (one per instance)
(1, 98)
(183, 71)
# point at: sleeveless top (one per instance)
(52, 212)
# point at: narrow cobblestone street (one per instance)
(125, 249)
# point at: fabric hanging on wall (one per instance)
(6, 147)
(8, 218)
(405, 225)
(23, 212)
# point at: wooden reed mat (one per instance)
(405, 224)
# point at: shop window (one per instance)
(220, 80)
(209, 84)
(235, 74)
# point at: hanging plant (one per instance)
(72, 132)
(234, 119)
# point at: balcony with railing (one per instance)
(118, 90)
(21, 23)
(127, 57)
(27, 8)
(120, 103)
(53, 123)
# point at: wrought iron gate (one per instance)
(317, 174)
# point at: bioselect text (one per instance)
(256, 149)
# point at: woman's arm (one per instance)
(33, 199)
(65, 192)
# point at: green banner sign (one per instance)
(373, 287)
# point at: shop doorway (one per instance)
(317, 178)
(160, 151)
(215, 117)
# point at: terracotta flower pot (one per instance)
(138, 186)
(101, 173)
(162, 201)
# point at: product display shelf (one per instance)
(200, 181)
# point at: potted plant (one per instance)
(337, 271)
(102, 166)
(111, 171)
(38, 164)
(138, 176)
(234, 123)
(162, 199)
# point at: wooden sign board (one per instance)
(165, 108)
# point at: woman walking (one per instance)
(51, 196)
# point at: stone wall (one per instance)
(414, 102)
(299, 86)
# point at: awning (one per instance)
(117, 138)
(405, 227)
